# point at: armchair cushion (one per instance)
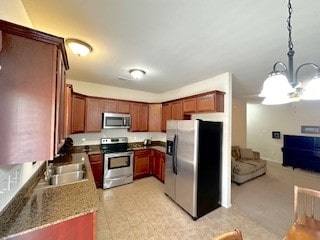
(246, 153)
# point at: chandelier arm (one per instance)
(282, 64)
(306, 64)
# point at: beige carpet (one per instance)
(268, 200)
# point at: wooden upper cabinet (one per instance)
(212, 102)
(124, 107)
(155, 112)
(143, 117)
(111, 105)
(166, 115)
(78, 113)
(94, 109)
(189, 105)
(176, 110)
(30, 104)
(139, 117)
(134, 111)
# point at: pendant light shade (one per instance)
(312, 90)
(276, 85)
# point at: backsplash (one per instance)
(80, 139)
(12, 179)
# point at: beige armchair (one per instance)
(246, 165)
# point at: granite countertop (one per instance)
(53, 204)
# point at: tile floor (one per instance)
(141, 210)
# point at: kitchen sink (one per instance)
(65, 178)
(69, 168)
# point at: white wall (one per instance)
(13, 11)
(239, 123)
(99, 90)
(13, 177)
(286, 118)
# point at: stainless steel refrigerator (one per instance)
(193, 165)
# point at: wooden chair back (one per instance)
(306, 215)
(307, 207)
(233, 235)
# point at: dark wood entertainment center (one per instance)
(301, 152)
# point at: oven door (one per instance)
(118, 169)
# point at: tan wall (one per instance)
(239, 123)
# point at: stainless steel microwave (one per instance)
(116, 120)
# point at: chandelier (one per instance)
(282, 86)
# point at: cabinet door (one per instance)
(143, 117)
(157, 164)
(94, 108)
(67, 110)
(141, 164)
(163, 165)
(27, 99)
(134, 111)
(139, 117)
(111, 105)
(78, 113)
(189, 105)
(60, 97)
(212, 102)
(166, 115)
(176, 110)
(124, 107)
(155, 111)
(96, 162)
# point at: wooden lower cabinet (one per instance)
(96, 163)
(156, 164)
(158, 169)
(80, 228)
(149, 162)
(141, 163)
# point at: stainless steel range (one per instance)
(118, 162)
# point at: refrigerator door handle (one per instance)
(174, 159)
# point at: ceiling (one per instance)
(179, 42)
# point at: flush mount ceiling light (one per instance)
(79, 47)
(137, 73)
(282, 86)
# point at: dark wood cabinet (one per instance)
(141, 163)
(155, 110)
(78, 113)
(94, 109)
(96, 162)
(31, 92)
(166, 115)
(301, 152)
